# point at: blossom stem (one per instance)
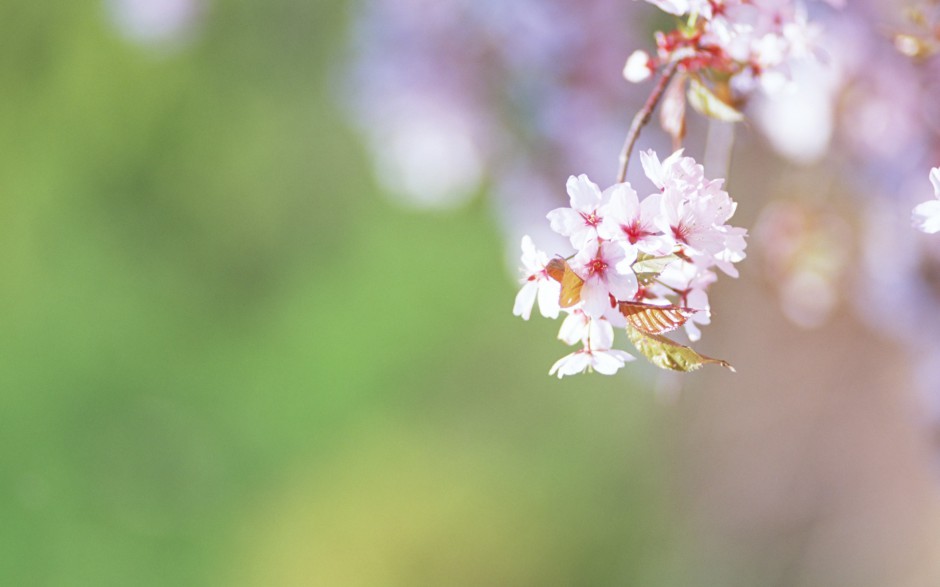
(643, 117)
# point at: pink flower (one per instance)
(689, 223)
(580, 221)
(627, 219)
(606, 270)
(604, 361)
(694, 210)
(536, 284)
(675, 171)
(926, 216)
(578, 327)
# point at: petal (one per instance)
(615, 318)
(549, 294)
(528, 247)
(584, 193)
(605, 363)
(584, 237)
(533, 259)
(614, 253)
(585, 255)
(571, 364)
(652, 167)
(656, 245)
(626, 257)
(573, 329)
(525, 299)
(565, 221)
(926, 216)
(623, 286)
(622, 355)
(698, 300)
(595, 298)
(935, 180)
(601, 334)
(622, 208)
(650, 209)
(637, 68)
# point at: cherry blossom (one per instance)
(694, 210)
(606, 271)
(536, 284)
(604, 361)
(672, 237)
(580, 221)
(578, 327)
(750, 43)
(626, 218)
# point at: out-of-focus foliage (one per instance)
(227, 361)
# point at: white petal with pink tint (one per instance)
(926, 216)
(637, 68)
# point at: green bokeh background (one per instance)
(228, 360)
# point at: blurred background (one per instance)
(245, 347)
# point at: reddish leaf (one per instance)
(556, 268)
(672, 111)
(653, 319)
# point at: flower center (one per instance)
(591, 219)
(597, 267)
(681, 233)
(634, 232)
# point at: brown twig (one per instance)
(643, 117)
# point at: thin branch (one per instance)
(643, 117)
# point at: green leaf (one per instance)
(705, 101)
(648, 267)
(668, 354)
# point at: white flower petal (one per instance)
(573, 328)
(926, 216)
(652, 167)
(565, 221)
(584, 193)
(601, 333)
(549, 294)
(571, 364)
(595, 298)
(623, 286)
(605, 362)
(637, 68)
(525, 299)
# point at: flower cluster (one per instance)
(644, 265)
(737, 44)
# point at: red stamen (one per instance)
(590, 219)
(680, 233)
(597, 267)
